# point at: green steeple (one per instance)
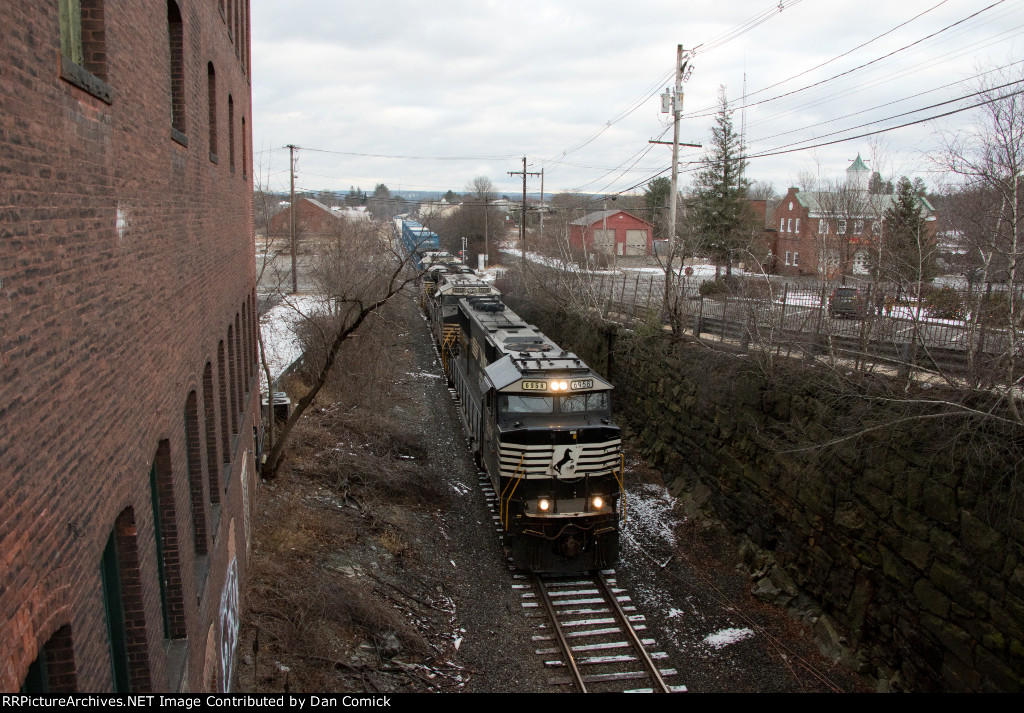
(858, 165)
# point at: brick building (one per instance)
(128, 392)
(835, 232)
(311, 218)
(612, 232)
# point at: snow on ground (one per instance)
(699, 271)
(723, 638)
(277, 326)
(649, 515)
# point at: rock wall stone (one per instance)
(908, 537)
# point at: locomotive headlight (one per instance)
(554, 386)
(563, 385)
(544, 504)
(598, 503)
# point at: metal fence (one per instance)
(956, 330)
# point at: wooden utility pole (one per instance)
(291, 209)
(522, 226)
(677, 107)
(542, 211)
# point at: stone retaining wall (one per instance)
(904, 542)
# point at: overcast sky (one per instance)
(427, 96)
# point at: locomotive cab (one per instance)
(540, 424)
(555, 459)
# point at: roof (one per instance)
(874, 204)
(858, 165)
(600, 215)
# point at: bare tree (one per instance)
(359, 269)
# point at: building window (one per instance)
(165, 534)
(231, 133)
(876, 227)
(789, 255)
(789, 225)
(233, 399)
(841, 228)
(222, 383)
(212, 464)
(782, 225)
(83, 56)
(195, 473)
(53, 671)
(823, 226)
(796, 259)
(211, 97)
(858, 227)
(797, 230)
(243, 149)
(176, 39)
(125, 611)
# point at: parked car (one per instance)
(850, 302)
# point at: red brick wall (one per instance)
(792, 239)
(310, 219)
(619, 222)
(125, 258)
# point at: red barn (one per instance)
(311, 218)
(612, 232)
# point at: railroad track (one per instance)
(591, 636)
(589, 631)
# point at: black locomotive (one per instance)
(540, 424)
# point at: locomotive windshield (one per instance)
(594, 404)
(514, 404)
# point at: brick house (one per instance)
(834, 232)
(612, 232)
(128, 350)
(312, 218)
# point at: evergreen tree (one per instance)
(656, 197)
(723, 218)
(907, 252)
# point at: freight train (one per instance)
(540, 425)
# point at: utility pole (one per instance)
(522, 226)
(676, 98)
(291, 210)
(542, 211)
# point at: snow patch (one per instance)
(721, 639)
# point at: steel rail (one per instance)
(570, 661)
(659, 683)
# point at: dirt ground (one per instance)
(375, 565)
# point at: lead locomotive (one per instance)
(540, 425)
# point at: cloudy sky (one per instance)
(426, 96)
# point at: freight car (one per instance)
(540, 425)
(416, 239)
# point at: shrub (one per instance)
(736, 286)
(944, 303)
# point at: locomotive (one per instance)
(540, 425)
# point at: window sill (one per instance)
(179, 137)
(85, 80)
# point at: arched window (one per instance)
(195, 473)
(211, 93)
(212, 464)
(165, 533)
(231, 133)
(176, 39)
(222, 383)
